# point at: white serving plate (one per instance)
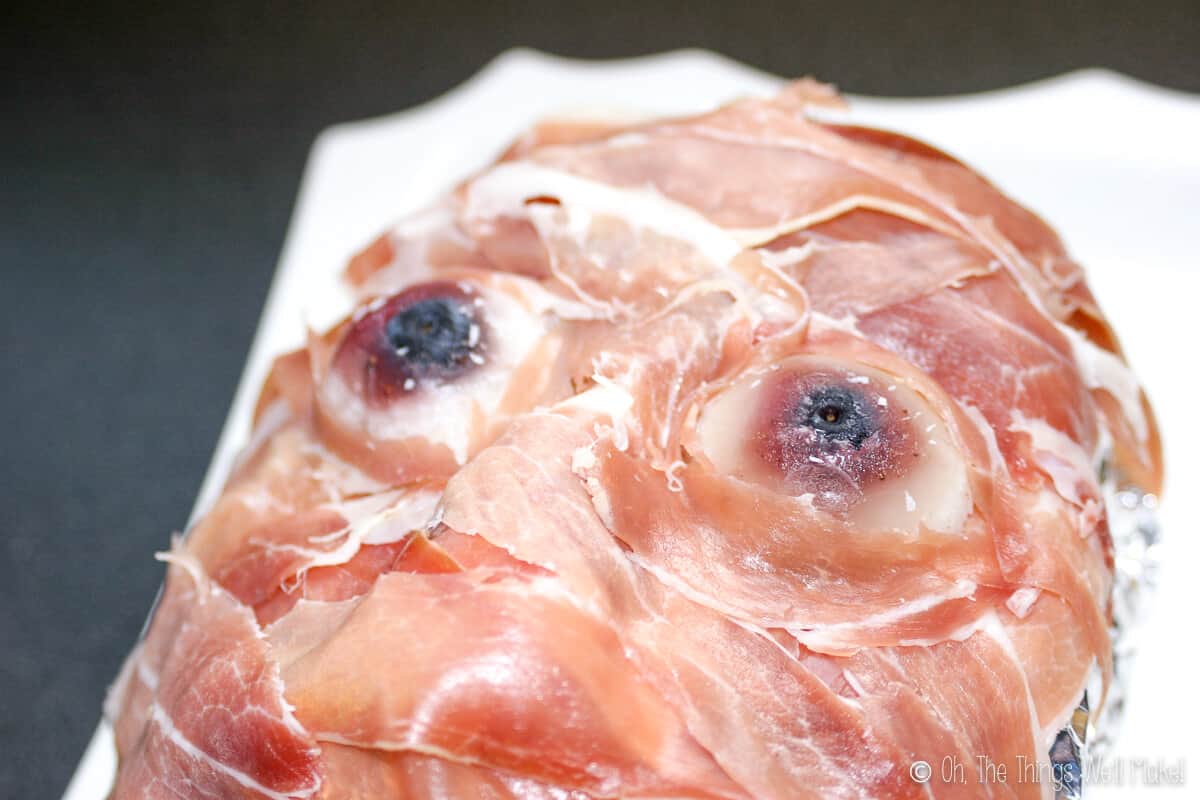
(1113, 163)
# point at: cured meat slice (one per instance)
(217, 724)
(358, 774)
(506, 674)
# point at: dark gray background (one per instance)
(150, 158)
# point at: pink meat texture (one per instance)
(743, 455)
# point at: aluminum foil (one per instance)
(1136, 535)
(1067, 754)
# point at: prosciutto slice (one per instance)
(743, 455)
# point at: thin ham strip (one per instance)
(217, 724)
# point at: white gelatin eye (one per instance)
(431, 333)
(431, 368)
(852, 439)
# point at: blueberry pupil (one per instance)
(432, 333)
(838, 414)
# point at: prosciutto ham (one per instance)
(744, 455)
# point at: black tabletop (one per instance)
(149, 159)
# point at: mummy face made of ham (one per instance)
(744, 455)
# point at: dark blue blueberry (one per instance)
(839, 414)
(432, 334)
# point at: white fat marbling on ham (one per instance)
(1020, 601)
(827, 636)
(756, 237)
(159, 719)
(1073, 471)
(509, 189)
(1043, 731)
(377, 519)
(1102, 369)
